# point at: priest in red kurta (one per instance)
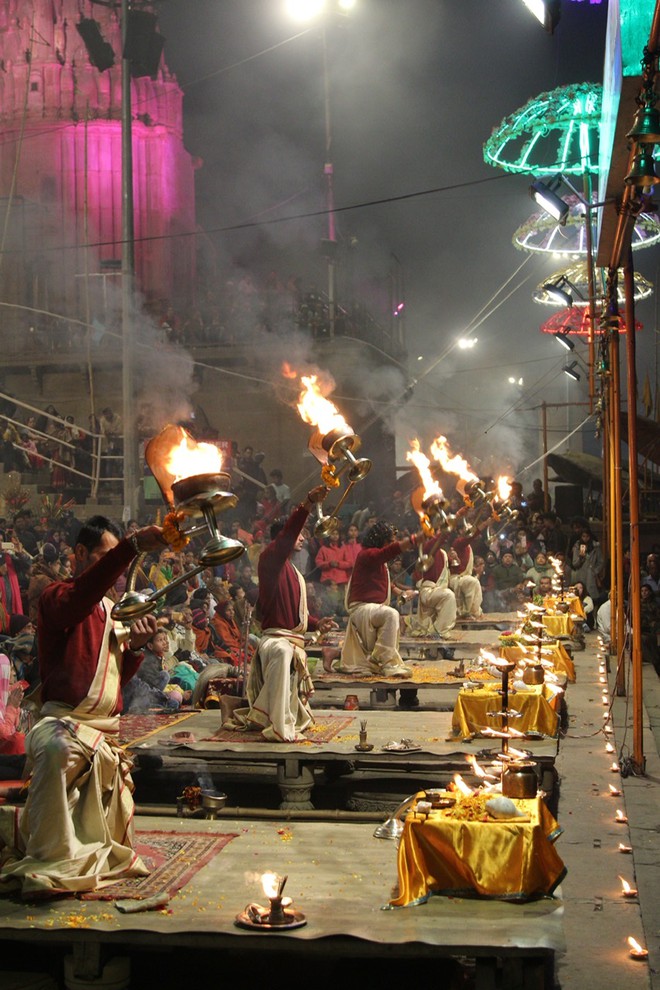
(76, 829)
(279, 683)
(371, 644)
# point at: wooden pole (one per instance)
(617, 512)
(635, 591)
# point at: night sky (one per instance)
(416, 88)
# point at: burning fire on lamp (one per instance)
(428, 501)
(334, 445)
(279, 916)
(194, 486)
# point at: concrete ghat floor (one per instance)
(341, 876)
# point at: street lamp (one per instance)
(306, 10)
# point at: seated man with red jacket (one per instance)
(371, 643)
(76, 831)
(279, 684)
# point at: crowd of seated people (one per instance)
(208, 629)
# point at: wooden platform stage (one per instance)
(461, 641)
(295, 762)
(339, 876)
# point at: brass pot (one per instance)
(534, 674)
(519, 780)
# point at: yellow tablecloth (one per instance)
(508, 860)
(556, 653)
(559, 625)
(536, 704)
(573, 602)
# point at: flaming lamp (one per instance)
(190, 477)
(333, 444)
(279, 916)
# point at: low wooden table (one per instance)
(295, 762)
(340, 876)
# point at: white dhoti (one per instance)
(469, 595)
(371, 643)
(277, 691)
(437, 610)
(76, 830)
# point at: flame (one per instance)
(270, 883)
(620, 816)
(288, 371)
(503, 488)
(609, 748)
(318, 411)
(624, 849)
(478, 771)
(614, 791)
(454, 464)
(189, 458)
(519, 754)
(461, 786)
(635, 946)
(423, 465)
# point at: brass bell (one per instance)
(642, 171)
(646, 125)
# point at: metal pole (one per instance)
(588, 214)
(328, 171)
(128, 281)
(546, 493)
(635, 593)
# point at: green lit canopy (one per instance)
(555, 132)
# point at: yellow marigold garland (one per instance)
(329, 476)
(176, 539)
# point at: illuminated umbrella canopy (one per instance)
(574, 280)
(541, 233)
(555, 132)
(574, 320)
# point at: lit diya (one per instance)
(333, 444)
(279, 916)
(194, 486)
(428, 500)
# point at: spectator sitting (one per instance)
(540, 569)
(587, 605)
(12, 742)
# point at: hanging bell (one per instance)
(642, 171)
(646, 125)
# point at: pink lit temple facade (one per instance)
(60, 167)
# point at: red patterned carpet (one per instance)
(173, 858)
(325, 729)
(134, 728)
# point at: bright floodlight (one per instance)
(467, 343)
(549, 201)
(304, 10)
(569, 369)
(545, 11)
(557, 294)
(562, 337)
(346, 4)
